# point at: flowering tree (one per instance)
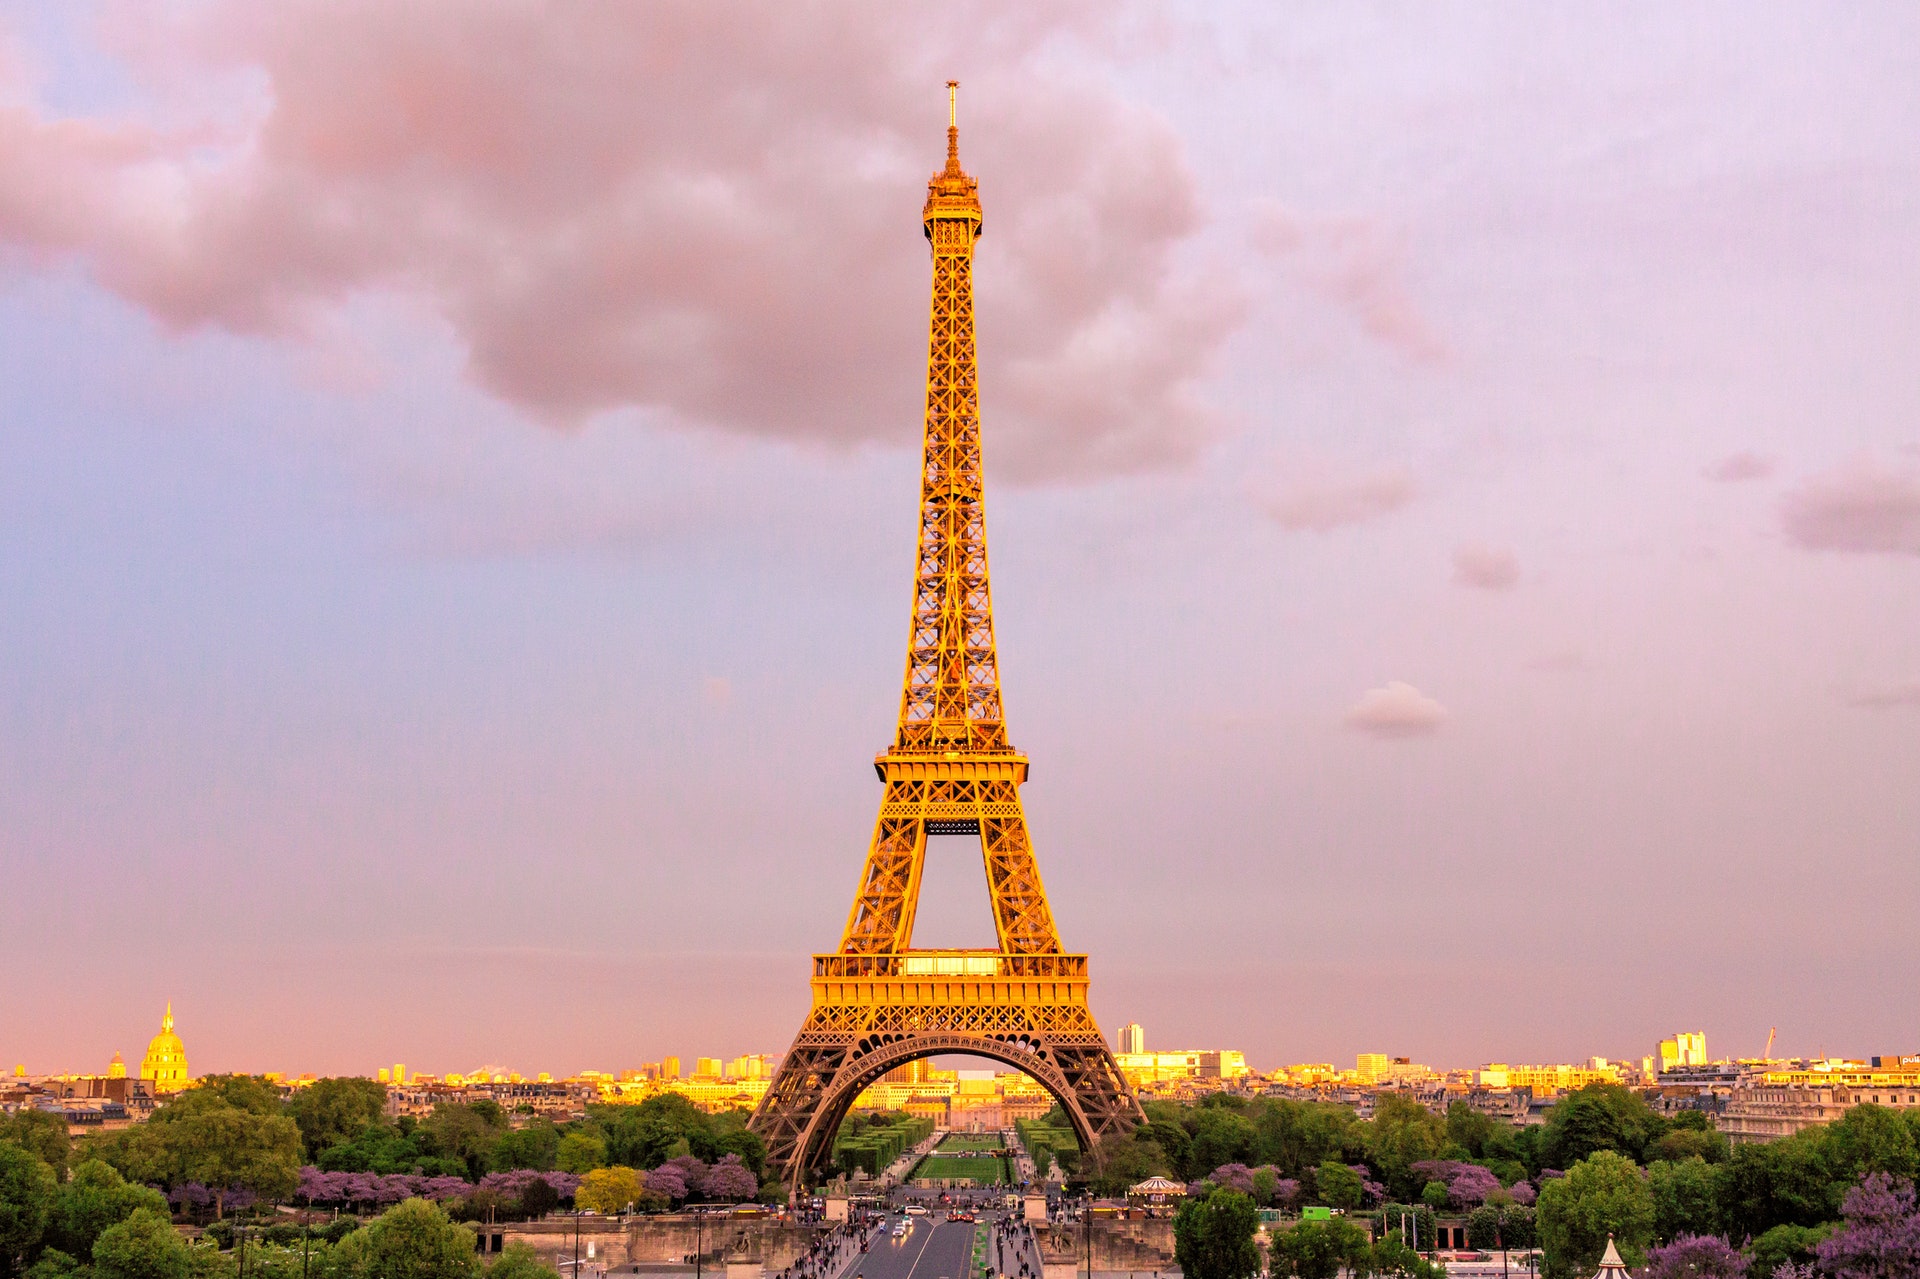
(692, 1171)
(190, 1198)
(1286, 1191)
(370, 1189)
(608, 1189)
(1468, 1184)
(668, 1182)
(1695, 1257)
(1234, 1177)
(1523, 1193)
(730, 1180)
(1881, 1236)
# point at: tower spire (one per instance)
(953, 128)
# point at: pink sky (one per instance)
(1454, 487)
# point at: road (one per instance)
(930, 1250)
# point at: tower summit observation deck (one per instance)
(878, 1003)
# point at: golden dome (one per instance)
(165, 1064)
(117, 1068)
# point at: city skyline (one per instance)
(684, 1065)
(1456, 502)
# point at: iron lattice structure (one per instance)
(877, 1002)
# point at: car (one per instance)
(900, 1229)
(915, 1210)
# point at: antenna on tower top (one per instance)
(953, 127)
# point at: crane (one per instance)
(1768, 1055)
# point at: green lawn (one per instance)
(971, 1141)
(983, 1171)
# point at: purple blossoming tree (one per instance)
(1234, 1177)
(1881, 1237)
(1695, 1257)
(730, 1180)
(667, 1180)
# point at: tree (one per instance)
(1497, 1226)
(96, 1197)
(1402, 1133)
(1411, 1224)
(1338, 1186)
(1220, 1137)
(1389, 1256)
(144, 1246)
(1599, 1117)
(668, 1181)
(54, 1264)
(520, 1261)
(331, 1112)
(1695, 1257)
(1318, 1249)
(253, 1093)
(223, 1147)
(1602, 1195)
(1868, 1139)
(1881, 1235)
(536, 1146)
(1771, 1183)
(1786, 1245)
(1470, 1130)
(1689, 1143)
(1213, 1236)
(730, 1179)
(411, 1241)
(1296, 1135)
(42, 1133)
(608, 1190)
(580, 1153)
(1434, 1195)
(1683, 1199)
(466, 1131)
(27, 1192)
(1122, 1160)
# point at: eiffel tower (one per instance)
(878, 1003)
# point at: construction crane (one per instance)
(1768, 1055)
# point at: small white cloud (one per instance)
(1892, 697)
(1860, 508)
(1737, 468)
(1486, 568)
(1320, 505)
(1396, 710)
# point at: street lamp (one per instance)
(1086, 1227)
(699, 1220)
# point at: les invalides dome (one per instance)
(166, 1061)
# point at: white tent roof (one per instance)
(1158, 1186)
(1611, 1267)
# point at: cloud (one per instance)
(1487, 568)
(1357, 265)
(1328, 503)
(703, 210)
(1396, 710)
(1891, 697)
(1736, 468)
(1859, 508)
